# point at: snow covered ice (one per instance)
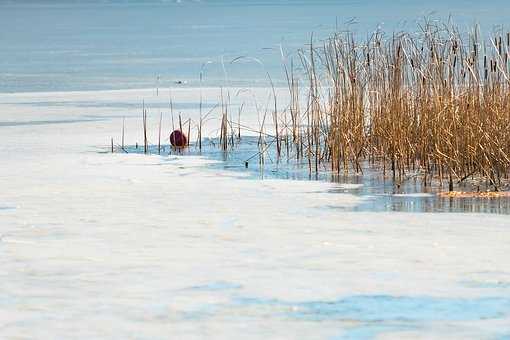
(95, 244)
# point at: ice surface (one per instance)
(94, 244)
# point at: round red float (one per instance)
(178, 139)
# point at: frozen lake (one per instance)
(115, 246)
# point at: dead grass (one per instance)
(432, 102)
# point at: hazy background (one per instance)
(85, 45)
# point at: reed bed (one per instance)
(432, 105)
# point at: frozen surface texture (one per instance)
(99, 245)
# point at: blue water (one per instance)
(385, 308)
(371, 315)
(380, 193)
(116, 44)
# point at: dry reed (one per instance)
(433, 103)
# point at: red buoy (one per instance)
(178, 139)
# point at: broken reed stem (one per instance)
(239, 122)
(159, 133)
(171, 106)
(224, 123)
(123, 130)
(189, 132)
(199, 132)
(145, 142)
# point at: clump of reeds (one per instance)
(433, 103)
